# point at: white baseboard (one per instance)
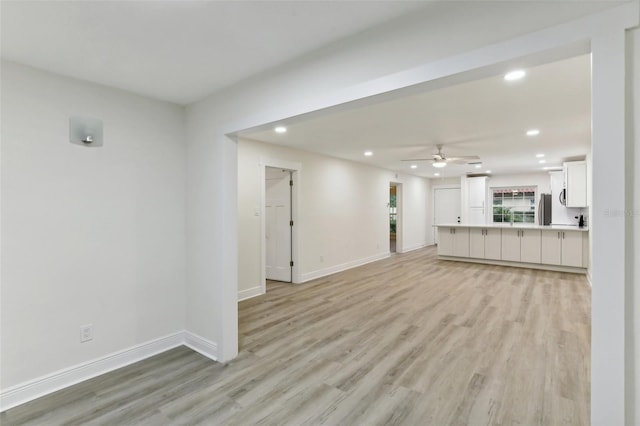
(412, 248)
(557, 268)
(36, 388)
(249, 293)
(201, 345)
(308, 276)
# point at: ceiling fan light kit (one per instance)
(439, 164)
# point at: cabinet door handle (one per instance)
(563, 235)
(558, 234)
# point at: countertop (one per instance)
(518, 226)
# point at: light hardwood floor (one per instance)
(408, 340)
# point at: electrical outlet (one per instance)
(86, 333)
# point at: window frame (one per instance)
(525, 212)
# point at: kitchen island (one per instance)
(553, 247)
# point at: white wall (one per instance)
(633, 222)
(540, 180)
(89, 235)
(477, 35)
(343, 218)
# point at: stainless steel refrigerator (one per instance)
(544, 209)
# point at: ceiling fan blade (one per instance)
(418, 159)
(463, 158)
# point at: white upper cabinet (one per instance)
(473, 200)
(477, 191)
(575, 180)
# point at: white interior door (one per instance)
(446, 204)
(277, 225)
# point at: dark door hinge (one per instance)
(291, 263)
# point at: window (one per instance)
(514, 205)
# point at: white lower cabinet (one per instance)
(547, 247)
(485, 243)
(461, 242)
(453, 241)
(445, 241)
(521, 245)
(562, 248)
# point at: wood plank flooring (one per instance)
(408, 340)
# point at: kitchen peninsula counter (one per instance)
(518, 226)
(553, 247)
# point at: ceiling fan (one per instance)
(440, 160)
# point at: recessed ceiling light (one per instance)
(436, 174)
(414, 166)
(368, 153)
(542, 161)
(488, 171)
(514, 75)
(539, 155)
(552, 168)
(533, 132)
(478, 166)
(280, 129)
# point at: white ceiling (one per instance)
(486, 117)
(179, 51)
(182, 51)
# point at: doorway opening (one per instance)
(278, 218)
(395, 217)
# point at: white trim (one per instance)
(557, 268)
(415, 247)
(201, 345)
(342, 267)
(44, 385)
(588, 274)
(250, 292)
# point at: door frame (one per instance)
(399, 217)
(284, 177)
(296, 168)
